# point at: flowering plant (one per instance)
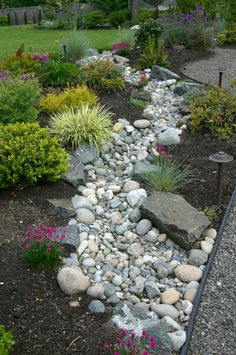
(142, 81)
(40, 57)
(118, 46)
(41, 248)
(131, 344)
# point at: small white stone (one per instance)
(187, 307)
(82, 247)
(207, 247)
(177, 339)
(211, 233)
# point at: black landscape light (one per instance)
(222, 70)
(221, 158)
(65, 51)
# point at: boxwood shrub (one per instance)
(28, 154)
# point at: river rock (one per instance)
(72, 280)
(206, 247)
(131, 185)
(85, 216)
(61, 207)
(161, 73)
(169, 324)
(169, 137)
(190, 294)
(75, 174)
(81, 202)
(142, 123)
(135, 250)
(87, 153)
(197, 257)
(177, 339)
(163, 310)
(187, 273)
(96, 306)
(95, 291)
(170, 296)
(171, 214)
(143, 227)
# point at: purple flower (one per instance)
(44, 57)
(3, 74)
(36, 55)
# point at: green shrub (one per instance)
(228, 36)
(6, 340)
(3, 21)
(41, 247)
(148, 29)
(77, 45)
(214, 112)
(18, 99)
(70, 98)
(154, 54)
(167, 175)
(28, 154)
(139, 103)
(102, 76)
(145, 15)
(119, 18)
(22, 65)
(58, 73)
(93, 19)
(87, 124)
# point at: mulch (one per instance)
(31, 304)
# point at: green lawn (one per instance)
(12, 37)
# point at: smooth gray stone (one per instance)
(161, 73)
(61, 207)
(87, 153)
(71, 235)
(75, 174)
(96, 306)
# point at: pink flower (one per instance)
(44, 57)
(129, 342)
(133, 352)
(116, 353)
(106, 346)
(145, 334)
(120, 45)
(118, 340)
(153, 344)
(145, 352)
(124, 332)
(133, 334)
(36, 55)
(26, 246)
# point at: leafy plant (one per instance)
(18, 98)
(148, 29)
(228, 36)
(102, 76)
(212, 212)
(145, 15)
(127, 37)
(138, 103)
(6, 340)
(215, 112)
(167, 175)
(119, 18)
(28, 154)
(24, 64)
(3, 21)
(70, 98)
(107, 6)
(86, 124)
(154, 54)
(41, 248)
(192, 30)
(58, 73)
(93, 19)
(131, 343)
(76, 45)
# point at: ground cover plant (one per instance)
(58, 73)
(41, 247)
(102, 76)
(72, 98)
(18, 98)
(6, 340)
(36, 156)
(86, 124)
(215, 112)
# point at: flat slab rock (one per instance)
(171, 214)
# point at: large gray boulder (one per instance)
(183, 87)
(164, 74)
(87, 153)
(171, 214)
(61, 207)
(137, 319)
(75, 174)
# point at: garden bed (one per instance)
(32, 305)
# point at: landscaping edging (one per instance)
(189, 331)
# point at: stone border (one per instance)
(197, 301)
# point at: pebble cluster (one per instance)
(122, 256)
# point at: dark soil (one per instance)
(31, 304)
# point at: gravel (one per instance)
(206, 70)
(215, 328)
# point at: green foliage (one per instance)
(139, 103)
(212, 212)
(145, 15)
(21, 65)
(3, 21)
(148, 29)
(41, 248)
(167, 175)
(186, 5)
(18, 99)
(215, 112)
(92, 19)
(119, 18)
(58, 73)
(228, 36)
(126, 36)
(77, 45)
(6, 340)
(108, 6)
(86, 124)
(102, 76)
(69, 99)
(154, 54)
(28, 154)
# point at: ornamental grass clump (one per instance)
(41, 247)
(86, 124)
(129, 343)
(167, 175)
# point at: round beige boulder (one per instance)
(188, 273)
